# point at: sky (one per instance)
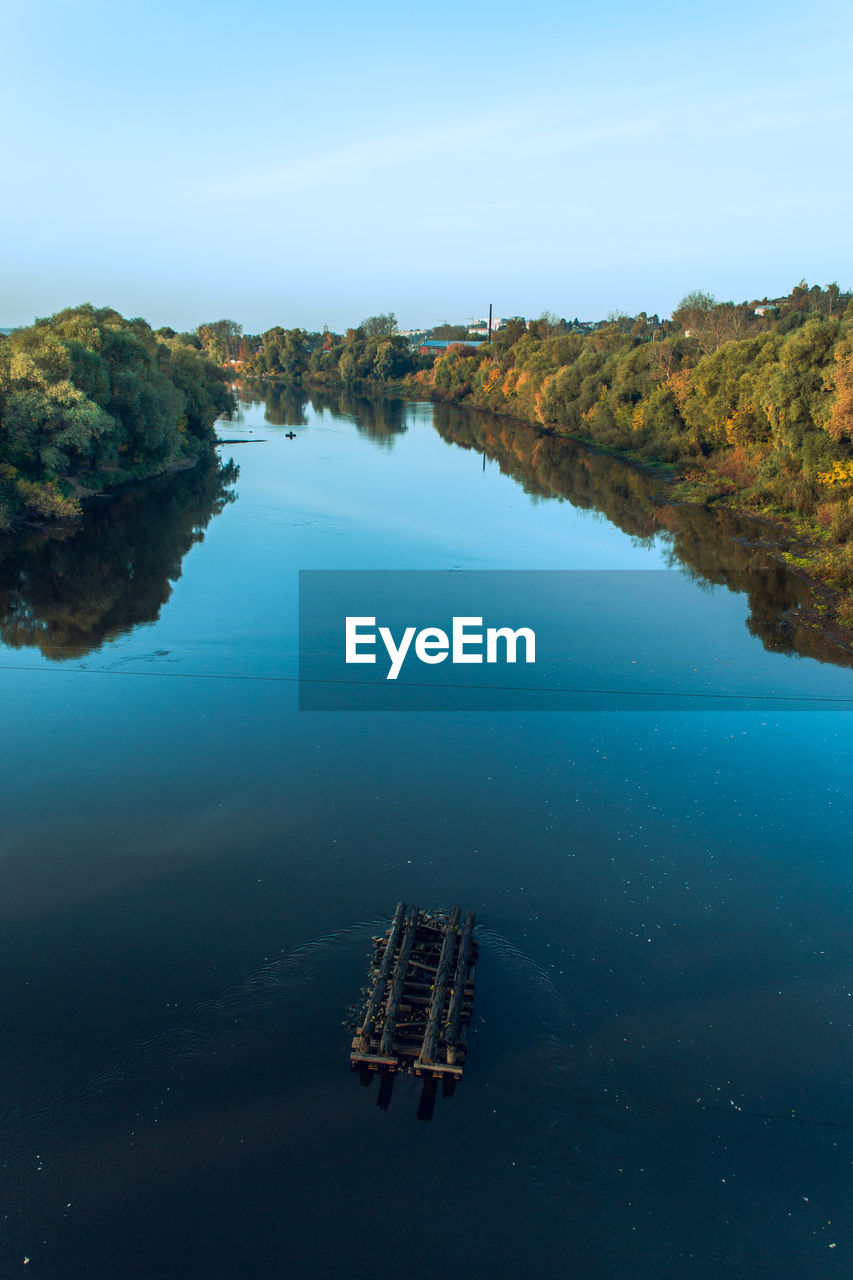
(295, 164)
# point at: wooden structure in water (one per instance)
(421, 998)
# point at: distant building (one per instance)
(481, 328)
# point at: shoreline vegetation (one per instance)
(743, 407)
(90, 401)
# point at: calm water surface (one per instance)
(659, 1081)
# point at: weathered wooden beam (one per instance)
(423, 997)
(436, 1007)
(381, 978)
(395, 995)
(451, 1031)
(437, 1069)
(372, 1060)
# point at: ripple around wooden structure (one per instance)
(421, 996)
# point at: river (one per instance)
(658, 1081)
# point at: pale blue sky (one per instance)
(280, 163)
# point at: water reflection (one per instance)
(714, 545)
(426, 1098)
(68, 591)
(284, 406)
(379, 420)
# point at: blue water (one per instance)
(659, 1076)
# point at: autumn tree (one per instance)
(838, 379)
(220, 340)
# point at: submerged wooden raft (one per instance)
(422, 995)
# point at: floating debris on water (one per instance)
(421, 997)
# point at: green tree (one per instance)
(87, 389)
(382, 326)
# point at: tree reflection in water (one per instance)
(285, 406)
(714, 545)
(68, 591)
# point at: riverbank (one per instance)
(798, 541)
(66, 497)
(749, 407)
(115, 477)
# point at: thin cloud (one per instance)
(509, 133)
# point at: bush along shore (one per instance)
(742, 405)
(89, 400)
(762, 424)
